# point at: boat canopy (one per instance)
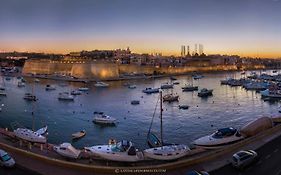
(224, 132)
(122, 146)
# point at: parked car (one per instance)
(243, 159)
(197, 173)
(5, 159)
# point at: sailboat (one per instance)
(2, 89)
(31, 135)
(164, 152)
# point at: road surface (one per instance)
(269, 162)
(15, 171)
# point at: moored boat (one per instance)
(3, 93)
(123, 151)
(188, 88)
(101, 118)
(67, 150)
(65, 96)
(29, 135)
(167, 86)
(101, 84)
(21, 84)
(132, 86)
(160, 151)
(79, 134)
(150, 90)
(75, 92)
(170, 98)
(184, 107)
(169, 152)
(29, 97)
(205, 92)
(197, 77)
(135, 102)
(221, 137)
(50, 87)
(83, 89)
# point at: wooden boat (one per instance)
(79, 134)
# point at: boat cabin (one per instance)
(224, 132)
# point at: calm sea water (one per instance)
(228, 107)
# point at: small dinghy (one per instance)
(101, 84)
(67, 150)
(29, 97)
(42, 131)
(50, 87)
(83, 89)
(79, 134)
(152, 140)
(132, 86)
(75, 92)
(184, 107)
(135, 102)
(66, 96)
(21, 84)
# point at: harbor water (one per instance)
(228, 107)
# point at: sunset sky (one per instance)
(244, 27)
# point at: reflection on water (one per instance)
(229, 106)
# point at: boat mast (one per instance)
(32, 113)
(161, 122)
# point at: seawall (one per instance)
(107, 70)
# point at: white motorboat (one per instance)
(101, 84)
(150, 90)
(168, 152)
(221, 137)
(3, 93)
(66, 96)
(36, 80)
(21, 84)
(83, 89)
(101, 118)
(50, 87)
(161, 151)
(132, 86)
(197, 77)
(29, 135)
(29, 97)
(67, 150)
(75, 92)
(123, 151)
(42, 131)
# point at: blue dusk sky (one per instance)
(244, 27)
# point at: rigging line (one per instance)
(153, 116)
